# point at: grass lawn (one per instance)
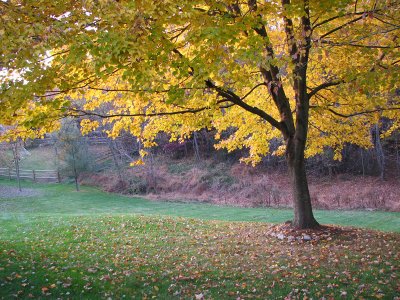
(54, 199)
(64, 244)
(41, 158)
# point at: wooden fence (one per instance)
(34, 175)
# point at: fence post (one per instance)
(9, 173)
(58, 177)
(34, 176)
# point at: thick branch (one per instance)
(258, 85)
(299, 49)
(272, 80)
(290, 37)
(323, 86)
(232, 97)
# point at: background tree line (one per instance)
(73, 150)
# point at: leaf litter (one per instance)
(160, 257)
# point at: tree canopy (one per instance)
(315, 72)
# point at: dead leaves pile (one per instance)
(324, 232)
(112, 257)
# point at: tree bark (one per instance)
(113, 149)
(75, 172)
(295, 158)
(397, 154)
(296, 136)
(362, 162)
(380, 155)
(303, 215)
(196, 146)
(16, 162)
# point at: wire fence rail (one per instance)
(47, 176)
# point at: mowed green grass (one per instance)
(92, 245)
(40, 158)
(54, 199)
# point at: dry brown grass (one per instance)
(357, 192)
(252, 187)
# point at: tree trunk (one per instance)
(75, 172)
(151, 177)
(196, 146)
(303, 215)
(76, 183)
(397, 154)
(362, 162)
(295, 130)
(113, 149)
(380, 155)
(16, 162)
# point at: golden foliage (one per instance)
(151, 66)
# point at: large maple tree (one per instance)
(314, 73)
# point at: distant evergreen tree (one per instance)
(73, 150)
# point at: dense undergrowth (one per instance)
(229, 183)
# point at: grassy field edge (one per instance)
(55, 199)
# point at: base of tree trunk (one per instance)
(311, 224)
